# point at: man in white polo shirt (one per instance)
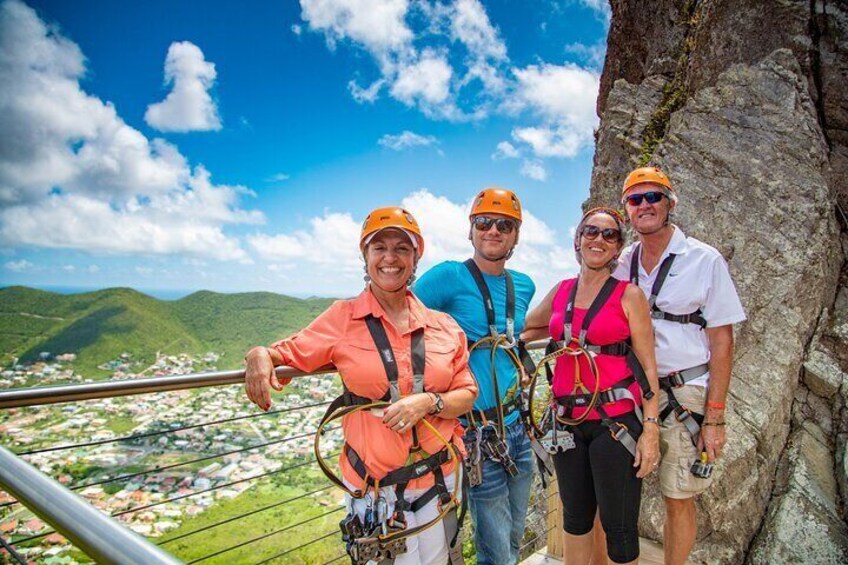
(694, 306)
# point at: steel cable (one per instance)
(246, 514)
(170, 430)
(180, 464)
(264, 536)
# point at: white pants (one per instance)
(427, 548)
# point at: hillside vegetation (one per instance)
(99, 326)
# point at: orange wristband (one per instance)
(715, 405)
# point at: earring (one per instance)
(410, 280)
(367, 278)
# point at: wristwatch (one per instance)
(438, 403)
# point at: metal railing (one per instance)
(81, 532)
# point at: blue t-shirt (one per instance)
(449, 287)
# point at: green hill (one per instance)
(99, 326)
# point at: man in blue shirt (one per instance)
(499, 503)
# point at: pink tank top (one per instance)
(609, 326)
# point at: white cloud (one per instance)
(189, 106)
(19, 266)
(69, 268)
(93, 269)
(296, 29)
(505, 150)
(406, 140)
(368, 94)
(534, 169)
(433, 79)
(68, 161)
(470, 24)
(279, 177)
(379, 25)
(551, 141)
(427, 80)
(564, 96)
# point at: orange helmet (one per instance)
(646, 174)
(496, 201)
(391, 217)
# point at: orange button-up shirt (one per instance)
(340, 336)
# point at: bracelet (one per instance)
(713, 424)
(715, 405)
(650, 420)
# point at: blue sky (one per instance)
(237, 146)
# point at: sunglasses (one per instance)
(652, 197)
(610, 235)
(504, 225)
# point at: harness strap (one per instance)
(401, 475)
(489, 305)
(696, 317)
(387, 356)
(598, 303)
(679, 378)
(619, 431)
(690, 420)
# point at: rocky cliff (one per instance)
(744, 104)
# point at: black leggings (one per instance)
(599, 473)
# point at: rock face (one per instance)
(743, 104)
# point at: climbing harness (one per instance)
(485, 433)
(381, 537)
(691, 420)
(556, 435)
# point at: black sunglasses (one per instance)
(504, 225)
(610, 235)
(652, 197)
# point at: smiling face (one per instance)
(647, 218)
(595, 250)
(491, 244)
(390, 259)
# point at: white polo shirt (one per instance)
(698, 278)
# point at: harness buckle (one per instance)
(682, 414)
(675, 379)
(607, 396)
(620, 431)
(497, 449)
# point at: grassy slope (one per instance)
(231, 323)
(99, 326)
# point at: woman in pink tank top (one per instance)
(604, 393)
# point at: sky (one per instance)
(178, 146)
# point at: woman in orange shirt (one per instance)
(383, 342)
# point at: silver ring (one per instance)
(402, 424)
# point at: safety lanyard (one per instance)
(387, 356)
(665, 267)
(597, 304)
(489, 305)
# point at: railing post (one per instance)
(554, 523)
(101, 537)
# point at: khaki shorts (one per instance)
(676, 447)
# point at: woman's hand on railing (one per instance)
(260, 377)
